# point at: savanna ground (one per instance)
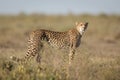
(97, 58)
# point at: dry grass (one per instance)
(98, 57)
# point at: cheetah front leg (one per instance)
(72, 51)
(71, 55)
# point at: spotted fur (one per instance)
(69, 39)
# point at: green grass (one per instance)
(97, 58)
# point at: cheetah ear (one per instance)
(76, 23)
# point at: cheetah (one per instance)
(70, 39)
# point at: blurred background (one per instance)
(98, 57)
(59, 6)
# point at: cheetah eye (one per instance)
(81, 24)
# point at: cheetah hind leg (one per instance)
(38, 60)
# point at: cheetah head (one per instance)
(81, 27)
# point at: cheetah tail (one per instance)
(13, 58)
